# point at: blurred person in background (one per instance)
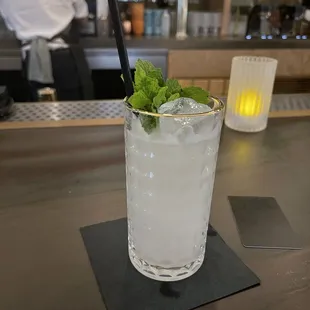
(48, 31)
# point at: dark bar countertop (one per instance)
(57, 180)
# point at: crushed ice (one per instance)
(184, 128)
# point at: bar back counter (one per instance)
(194, 61)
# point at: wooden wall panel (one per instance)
(186, 82)
(191, 64)
(219, 87)
(204, 84)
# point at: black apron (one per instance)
(71, 36)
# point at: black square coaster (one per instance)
(122, 287)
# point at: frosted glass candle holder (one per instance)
(250, 92)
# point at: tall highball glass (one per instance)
(170, 177)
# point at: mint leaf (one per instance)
(160, 98)
(157, 74)
(148, 122)
(145, 68)
(196, 93)
(140, 101)
(139, 76)
(173, 97)
(149, 86)
(173, 87)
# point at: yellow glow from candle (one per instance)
(249, 103)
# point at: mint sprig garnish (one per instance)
(139, 100)
(196, 93)
(174, 87)
(160, 98)
(174, 97)
(151, 91)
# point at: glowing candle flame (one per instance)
(249, 103)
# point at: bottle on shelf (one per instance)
(305, 24)
(254, 21)
(173, 16)
(287, 18)
(166, 23)
(265, 28)
(298, 17)
(137, 18)
(127, 26)
(149, 25)
(158, 16)
(274, 20)
(216, 19)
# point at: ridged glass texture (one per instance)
(169, 190)
(250, 91)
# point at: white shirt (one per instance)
(45, 18)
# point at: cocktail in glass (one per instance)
(170, 177)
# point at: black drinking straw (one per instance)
(120, 42)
